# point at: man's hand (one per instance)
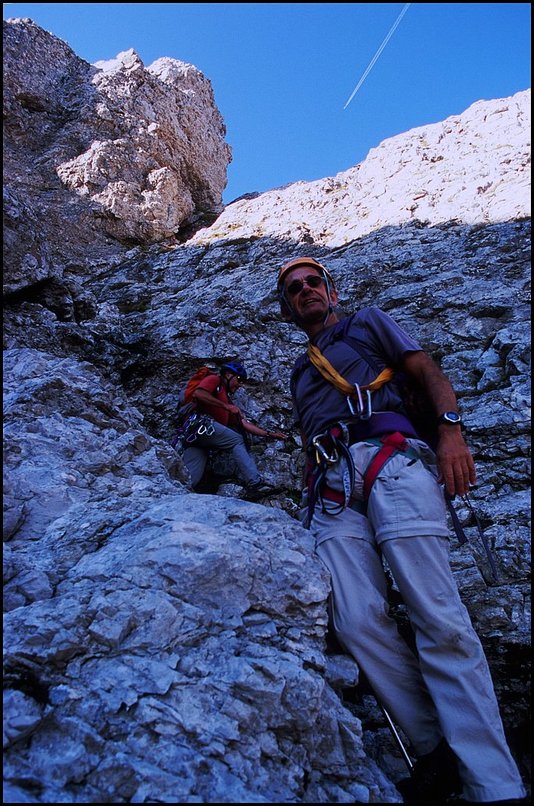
(455, 463)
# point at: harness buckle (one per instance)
(321, 452)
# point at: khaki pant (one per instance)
(446, 690)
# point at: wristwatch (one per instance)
(449, 418)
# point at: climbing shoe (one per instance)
(435, 778)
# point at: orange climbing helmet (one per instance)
(304, 261)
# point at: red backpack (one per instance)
(186, 395)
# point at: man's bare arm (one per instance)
(203, 396)
(456, 466)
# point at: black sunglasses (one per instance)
(296, 286)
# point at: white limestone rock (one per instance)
(473, 168)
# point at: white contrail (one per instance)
(378, 52)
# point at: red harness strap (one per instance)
(334, 495)
(391, 444)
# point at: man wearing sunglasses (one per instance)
(443, 697)
(225, 430)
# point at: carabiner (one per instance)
(363, 412)
(320, 450)
(359, 402)
(369, 411)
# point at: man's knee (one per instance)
(226, 439)
(355, 629)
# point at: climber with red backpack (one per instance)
(210, 421)
(375, 491)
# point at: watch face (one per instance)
(452, 417)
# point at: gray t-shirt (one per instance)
(359, 348)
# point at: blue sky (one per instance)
(283, 72)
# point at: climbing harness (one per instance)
(334, 443)
(338, 439)
(196, 425)
(199, 425)
(328, 448)
(390, 444)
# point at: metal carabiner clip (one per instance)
(359, 402)
(320, 451)
(363, 412)
(367, 414)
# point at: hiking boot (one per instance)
(435, 778)
(257, 490)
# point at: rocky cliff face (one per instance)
(101, 156)
(168, 646)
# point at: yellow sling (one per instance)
(332, 375)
